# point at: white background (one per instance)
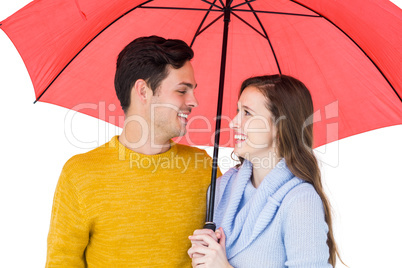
(362, 174)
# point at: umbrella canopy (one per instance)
(358, 167)
(347, 53)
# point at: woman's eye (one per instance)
(246, 112)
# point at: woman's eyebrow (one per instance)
(248, 108)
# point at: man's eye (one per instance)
(246, 112)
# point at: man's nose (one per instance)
(192, 100)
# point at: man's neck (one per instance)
(139, 143)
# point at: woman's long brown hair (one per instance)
(291, 105)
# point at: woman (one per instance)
(271, 209)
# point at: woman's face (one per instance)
(254, 130)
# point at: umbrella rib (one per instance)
(248, 24)
(206, 27)
(267, 37)
(361, 49)
(278, 13)
(243, 3)
(212, 4)
(139, 6)
(199, 31)
(180, 8)
(90, 41)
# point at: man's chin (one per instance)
(180, 133)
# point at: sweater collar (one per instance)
(243, 225)
(127, 154)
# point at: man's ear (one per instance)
(141, 90)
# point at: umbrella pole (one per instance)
(210, 213)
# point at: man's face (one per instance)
(172, 103)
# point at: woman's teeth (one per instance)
(240, 137)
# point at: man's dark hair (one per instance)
(148, 58)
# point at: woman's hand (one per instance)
(214, 235)
(206, 251)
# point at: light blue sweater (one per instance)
(279, 224)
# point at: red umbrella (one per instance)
(347, 53)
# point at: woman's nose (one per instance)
(234, 123)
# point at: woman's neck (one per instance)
(262, 167)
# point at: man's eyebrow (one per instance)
(189, 85)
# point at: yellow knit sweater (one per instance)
(117, 208)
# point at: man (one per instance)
(134, 201)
